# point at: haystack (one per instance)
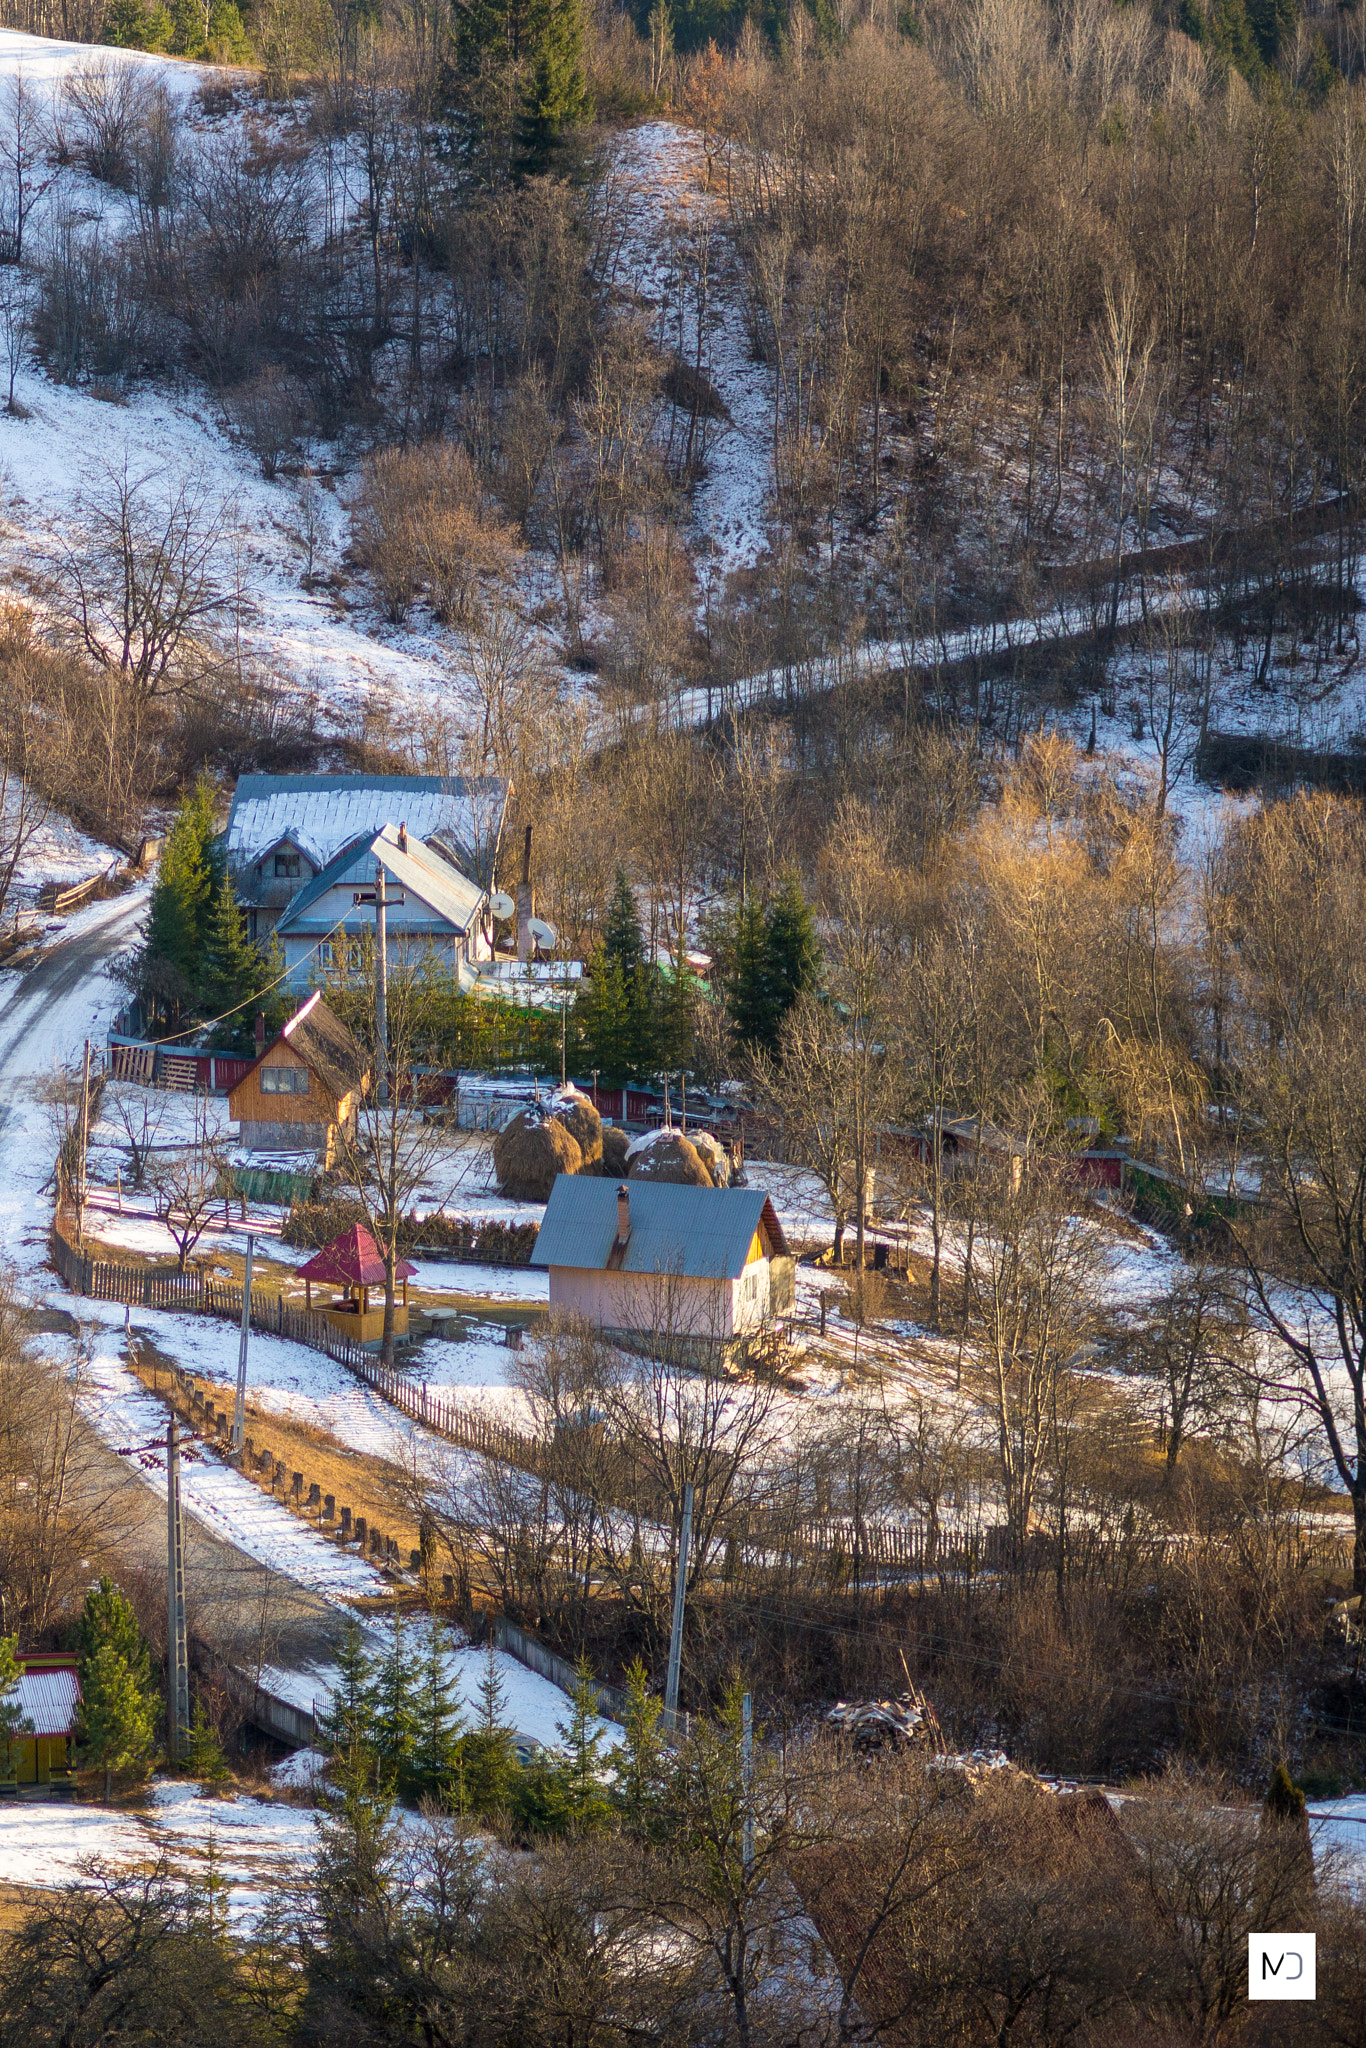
(578, 1113)
(671, 1157)
(529, 1152)
(713, 1155)
(616, 1147)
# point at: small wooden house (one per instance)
(354, 1263)
(700, 1272)
(304, 1089)
(47, 1697)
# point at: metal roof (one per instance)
(47, 1701)
(324, 813)
(697, 1233)
(419, 872)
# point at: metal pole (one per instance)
(747, 1777)
(239, 1413)
(178, 1673)
(381, 983)
(680, 1597)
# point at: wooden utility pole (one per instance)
(381, 903)
(177, 1655)
(680, 1600)
(85, 1145)
(239, 1413)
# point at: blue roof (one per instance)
(697, 1233)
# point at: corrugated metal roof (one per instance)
(324, 813)
(426, 876)
(47, 1701)
(698, 1233)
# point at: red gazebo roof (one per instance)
(352, 1260)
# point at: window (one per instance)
(284, 1080)
(287, 864)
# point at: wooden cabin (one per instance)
(702, 1271)
(354, 1263)
(48, 1696)
(304, 1090)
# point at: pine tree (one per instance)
(794, 954)
(204, 1758)
(348, 1717)
(234, 972)
(115, 1729)
(108, 1618)
(623, 939)
(436, 1744)
(394, 1701)
(588, 1805)
(556, 95)
(748, 997)
(641, 1759)
(182, 903)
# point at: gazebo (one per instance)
(354, 1263)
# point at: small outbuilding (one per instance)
(47, 1698)
(355, 1263)
(304, 1090)
(659, 1267)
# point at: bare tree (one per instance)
(188, 1187)
(140, 1112)
(143, 579)
(22, 148)
(17, 300)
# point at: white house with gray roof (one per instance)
(439, 912)
(284, 830)
(693, 1272)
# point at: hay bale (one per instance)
(673, 1158)
(616, 1146)
(578, 1113)
(529, 1152)
(714, 1157)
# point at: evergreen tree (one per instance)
(348, 1717)
(623, 939)
(748, 997)
(675, 1022)
(204, 1758)
(602, 1021)
(234, 971)
(588, 1806)
(182, 904)
(540, 1802)
(115, 1729)
(486, 1769)
(556, 95)
(133, 25)
(12, 1723)
(436, 1743)
(394, 1704)
(794, 954)
(108, 1618)
(640, 1760)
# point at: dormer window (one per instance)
(287, 866)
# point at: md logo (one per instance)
(1280, 1966)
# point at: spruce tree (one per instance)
(204, 1758)
(555, 95)
(12, 1722)
(486, 1770)
(394, 1698)
(641, 1759)
(748, 997)
(234, 971)
(581, 1742)
(794, 954)
(182, 904)
(348, 1717)
(623, 940)
(436, 1742)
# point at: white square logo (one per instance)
(1280, 1966)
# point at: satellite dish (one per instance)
(544, 934)
(501, 904)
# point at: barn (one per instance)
(304, 1089)
(699, 1272)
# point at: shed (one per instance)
(48, 1697)
(355, 1263)
(304, 1089)
(703, 1271)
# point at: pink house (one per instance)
(701, 1272)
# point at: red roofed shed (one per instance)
(354, 1263)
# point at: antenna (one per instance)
(544, 934)
(501, 904)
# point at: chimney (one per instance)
(260, 1033)
(526, 905)
(403, 838)
(623, 1216)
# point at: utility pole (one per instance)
(239, 1413)
(747, 1777)
(178, 1686)
(564, 1013)
(680, 1598)
(381, 903)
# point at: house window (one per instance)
(287, 865)
(284, 1080)
(335, 954)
